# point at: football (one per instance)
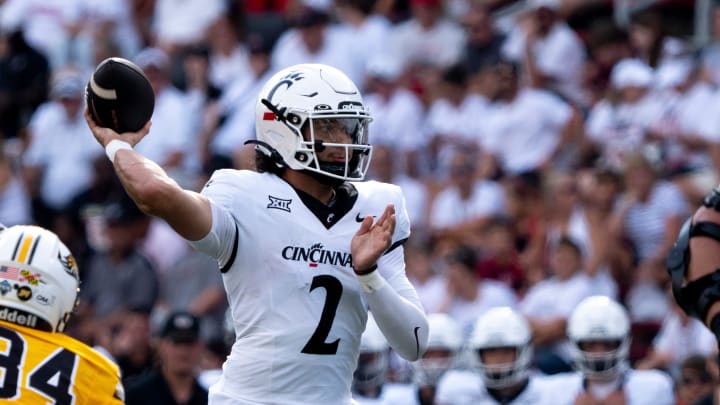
(119, 96)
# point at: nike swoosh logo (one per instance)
(360, 218)
(417, 342)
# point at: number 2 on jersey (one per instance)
(333, 290)
(52, 378)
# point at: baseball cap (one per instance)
(631, 73)
(67, 84)
(181, 326)
(122, 211)
(154, 57)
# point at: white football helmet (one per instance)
(502, 327)
(374, 359)
(39, 280)
(598, 318)
(308, 97)
(444, 338)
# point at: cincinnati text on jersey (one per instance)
(316, 254)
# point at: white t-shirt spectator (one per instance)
(645, 222)
(491, 294)
(45, 24)
(560, 54)
(238, 105)
(396, 121)
(14, 204)
(556, 299)
(368, 39)
(65, 148)
(290, 50)
(620, 129)
(460, 125)
(172, 124)
(432, 292)
(684, 340)
(524, 133)
(186, 21)
(440, 46)
(449, 209)
(226, 69)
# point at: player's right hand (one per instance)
(104, 135)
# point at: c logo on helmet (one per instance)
(287, 81)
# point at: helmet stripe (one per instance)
(25, 248)
(34, 246)
(17, 245)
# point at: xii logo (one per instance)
(279, 203)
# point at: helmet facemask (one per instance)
(602, 365)
(503, 375)
(428, 370)
(370, 372)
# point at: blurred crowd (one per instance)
(544, 157)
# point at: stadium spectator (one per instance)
(550, 51)
(649, 214)
(695, 384)
(58, 162)
(186, 286)
(121, 278)
(467, 296)
(499, 259)
(24, 82)
(177, 25)
(528, 128)
(679, 338)
(460, 210)
(548, 304)
(483, 41)
(313, 39)
(174, 380)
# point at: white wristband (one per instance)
(371, 282)
(115, 145)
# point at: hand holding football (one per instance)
(119, 96)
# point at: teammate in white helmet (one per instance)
(305, 247)
(500, 343)
(443, 353)
(599, 330)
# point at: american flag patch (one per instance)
(9, 272)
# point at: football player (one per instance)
(305, 247)
(500, 343)
(599, 330)
(369, 385)
(443, 352)
(38, 293)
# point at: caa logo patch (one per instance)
(279, 203)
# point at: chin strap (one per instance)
(696, 297)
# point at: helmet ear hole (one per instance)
(302, 157)
(293, 119)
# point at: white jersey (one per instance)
(391, 394)
(465, 387)
(641, 387)
(297, 307)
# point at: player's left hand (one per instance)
(372, 239)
